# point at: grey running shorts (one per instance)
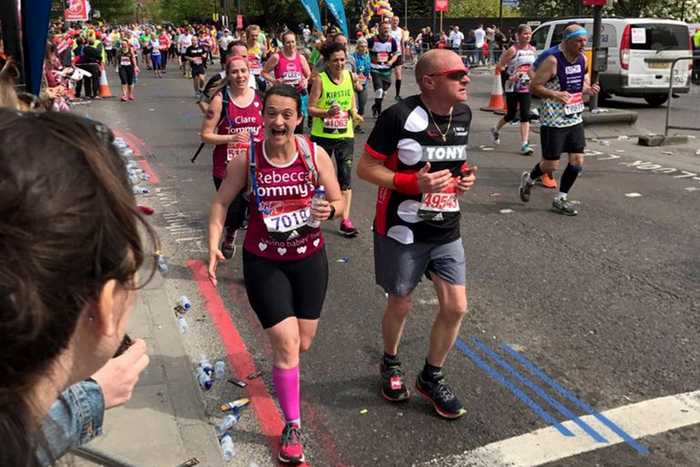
(398, 268)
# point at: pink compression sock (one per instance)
(287, 387)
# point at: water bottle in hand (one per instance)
(319, 194)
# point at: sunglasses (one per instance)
(455, 74)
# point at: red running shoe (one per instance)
(291, 449)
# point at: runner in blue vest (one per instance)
(561, 81)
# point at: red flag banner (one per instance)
(76, 11)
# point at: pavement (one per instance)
(572, 322)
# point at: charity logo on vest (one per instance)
(267, 188)
(444, 153)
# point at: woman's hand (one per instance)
(322, 210)
(239, 138)
(215, 256)
(119, 375)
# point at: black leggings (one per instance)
(126, 75)
(278, 290)
(237, 210)
(512, 101)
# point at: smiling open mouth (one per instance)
(278, 131)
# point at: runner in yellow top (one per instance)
(332, 106)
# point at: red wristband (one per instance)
(406, 183)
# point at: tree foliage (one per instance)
(114, 10)
(682, 9)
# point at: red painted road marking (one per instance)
(239, 358)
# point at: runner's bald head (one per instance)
(572, 28)
(432, 61)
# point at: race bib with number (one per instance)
(255, 65)
(575, 104)
(286, 220)
(235, 149)
(435, 206)
(125, 61)
(291, 77)
(382, 57)
(337, 123)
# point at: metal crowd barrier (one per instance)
(670, 89)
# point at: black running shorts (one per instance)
(278, 290)
(555, 141)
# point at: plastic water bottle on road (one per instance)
(204, 374)
(228, 422)
(228, 447)
(319, 194)
(182, 324)
(204, 379)
(219, 369)
(184, 302)
(162, 264)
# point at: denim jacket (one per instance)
(73, 420)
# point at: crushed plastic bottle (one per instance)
(184, 302)
(140, 190)
(206, 365)
(228, 422)
(182, 324)
(162, 263)
(204, 379)
(219, 369)
(228, 447)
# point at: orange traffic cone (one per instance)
(496, 102)
(104, 85)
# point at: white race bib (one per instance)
(337, 123)
(283, 218)
(575, 104)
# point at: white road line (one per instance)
(545, 445)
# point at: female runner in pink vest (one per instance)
(285, 267)
(235, 113)
(290, 67)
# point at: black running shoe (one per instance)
(441, 396)
(564, 207)
(228, 247)
(525, 187)
(393, 387)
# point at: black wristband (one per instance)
(332, 214)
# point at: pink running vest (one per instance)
(290, 71)
(237, 120)
(278, 230)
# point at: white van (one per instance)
(629, 42)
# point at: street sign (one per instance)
(441, 5)
(511, 3)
